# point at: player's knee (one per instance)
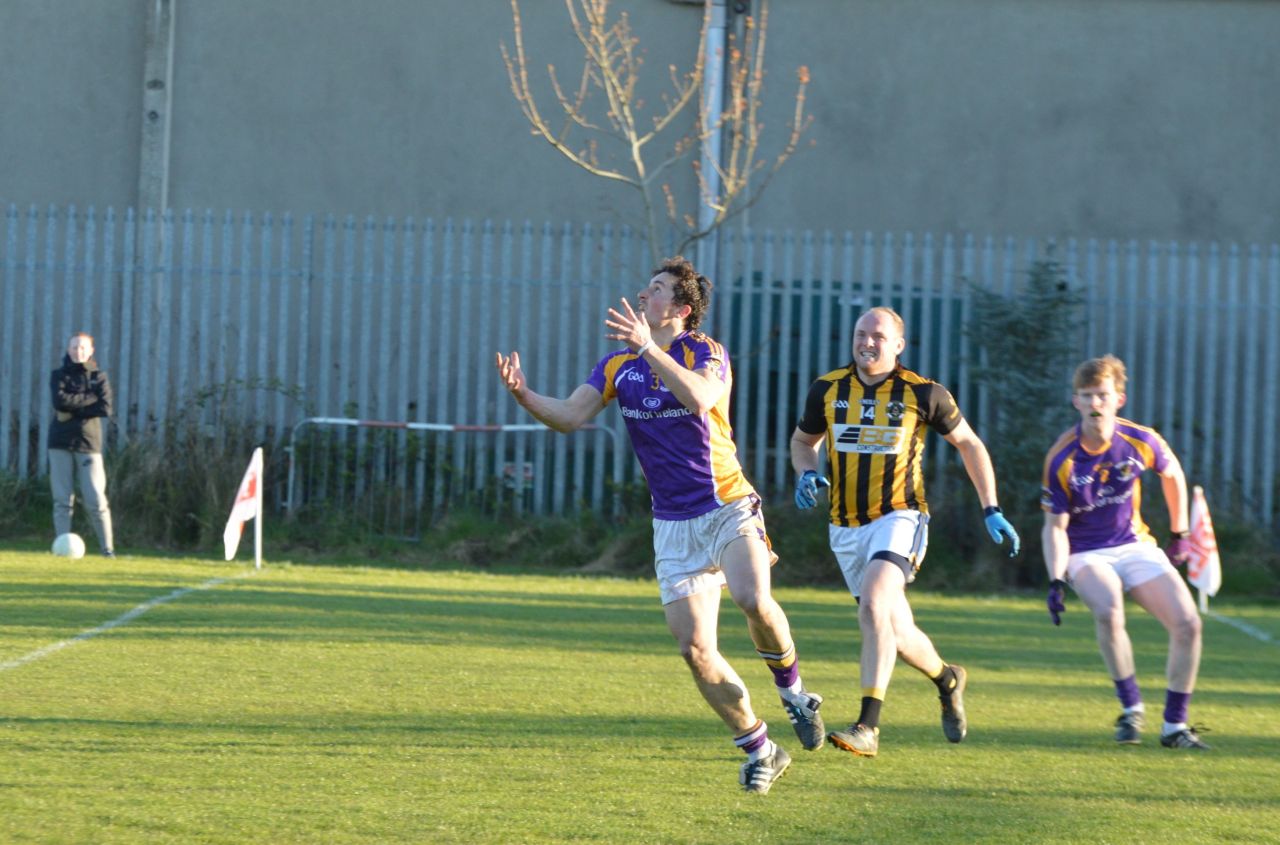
(1186, 628)
(697, 654)
(760, 608)
(751, 604)
(1110, 619)
(875, 609)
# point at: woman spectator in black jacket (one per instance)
(81, 400)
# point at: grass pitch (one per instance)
(312, 704)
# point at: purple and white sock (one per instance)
(1175, 707)
(1127, 692)
(755, 742)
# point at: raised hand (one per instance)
(628, 326)
(510, 373)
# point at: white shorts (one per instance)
(687, 552)
(899, 536)
(1135, 563)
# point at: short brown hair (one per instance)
(1093, 371)
(690, 288)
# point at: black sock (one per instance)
(946, 680)
(870, 714)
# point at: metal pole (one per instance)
(712, 145)
(260, 464)
(157, 101)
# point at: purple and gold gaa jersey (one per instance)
(1102, 492)
(690, 461)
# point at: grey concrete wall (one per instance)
(397, 107)
(1131, 118)
(72, 95)
(1141, 118)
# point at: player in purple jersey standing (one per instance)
(672, 386)
(1095, 540)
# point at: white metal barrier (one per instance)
(292, 501)
(327, 314)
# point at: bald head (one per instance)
(878, 340)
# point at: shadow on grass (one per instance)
(427, 730)
(450, 731)
(983, 635)
(411, 615)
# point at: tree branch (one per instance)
(611, 66)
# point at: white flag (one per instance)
(1204, 567)
(246, 507)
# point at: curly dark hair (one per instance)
(690, 287)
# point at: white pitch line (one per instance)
(1256, 633)
(123, 619)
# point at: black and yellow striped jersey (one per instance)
(875, 439)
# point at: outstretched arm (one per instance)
(804, 458)
(1053, 539)
(804, 451)
(1174, 484)
(563, 415)
(977, 462)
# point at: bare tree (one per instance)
(605, 104)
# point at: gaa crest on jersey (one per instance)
(1124, 472)
(895, 409)
(868, 439)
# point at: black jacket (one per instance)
(81, 397)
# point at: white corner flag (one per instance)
(1204, 567)
(248, 505)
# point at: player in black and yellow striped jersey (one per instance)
(877, 439)
(874, 415)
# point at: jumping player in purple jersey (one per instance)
(672, 385)
(1094, 538)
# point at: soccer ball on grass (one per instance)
(68, 545)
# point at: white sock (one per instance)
(1137, 708)
(1173, 728)
(792, 692)
(760, 753)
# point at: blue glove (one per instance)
(999, 528)
(1056, 600)
(807, 489)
